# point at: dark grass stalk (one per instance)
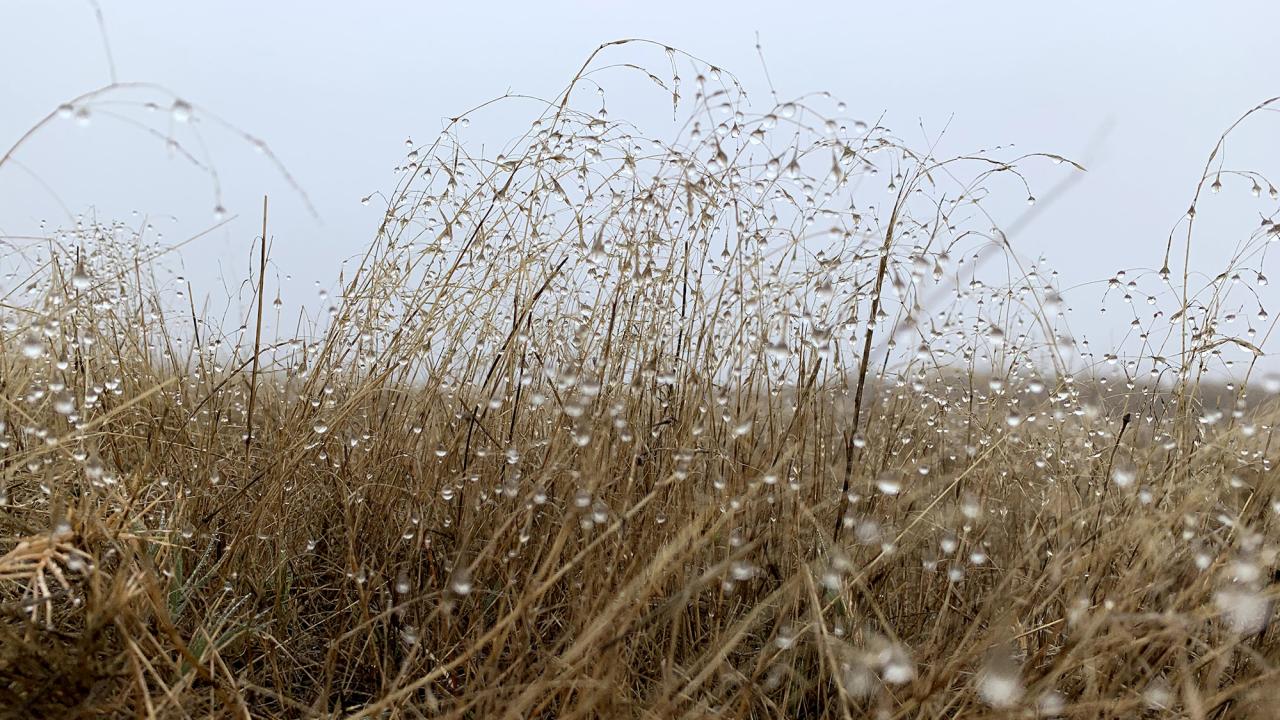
(257, 338)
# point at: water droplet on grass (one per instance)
(1158, 695)
(999, 682)
(1271, 382)
(889, 482)
(180, 111)
(1123, 473)
(32, 346)
(80, 279)
(460, 583)
(1246, 611)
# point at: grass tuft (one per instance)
(737, 424)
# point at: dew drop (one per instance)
(180, 111)
(889, 482)
(1123, 474)
(32, 346)
(999, 682)
(460, 582)
(80, 279)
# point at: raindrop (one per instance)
(999, 681)
(996, 336)
(181, 111)
(1051, 704)
(1245, 610)
(80, 279)
(1123, 473)
(889, 482)
(1158, 695)
(460, 582)
(1271, 382)
(32, 346)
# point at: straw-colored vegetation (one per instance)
(738, 424)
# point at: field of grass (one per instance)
(740, 424)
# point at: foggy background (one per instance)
(1136, 91)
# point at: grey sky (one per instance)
(335, 88)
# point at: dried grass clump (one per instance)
(609, 427)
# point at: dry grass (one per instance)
(600, 428)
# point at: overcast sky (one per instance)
(336, 87)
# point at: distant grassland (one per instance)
(609, 427)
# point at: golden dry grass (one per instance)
(600, 428)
